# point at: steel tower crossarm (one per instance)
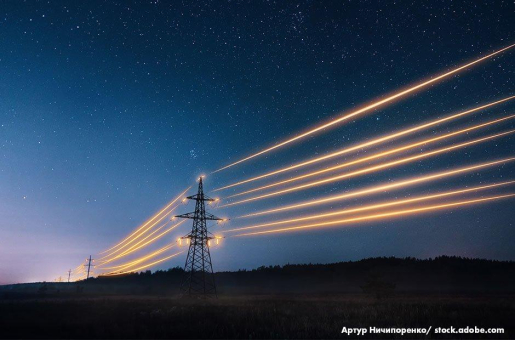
(208, 216)
(200, 281)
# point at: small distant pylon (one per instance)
(200, 280)
(88, 264)
(69, 275)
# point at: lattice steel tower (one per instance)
(200, 280)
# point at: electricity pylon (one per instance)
(200, 280)
(89, 266)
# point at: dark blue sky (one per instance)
(108, 109)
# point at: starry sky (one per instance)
(109, 109)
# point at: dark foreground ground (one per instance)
(293, 301)
(249, 316)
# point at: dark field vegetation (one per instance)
(308, 301)
(247, 317)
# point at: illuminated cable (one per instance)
(374, 156)
(382, 215)
(126, 244)
(382, 187)
(145, 266)
(137, 243)
(375, 206)
(369, 169)
(141, 259)
(369, 107)
(130, 251)
(150, 220)
(372, 142)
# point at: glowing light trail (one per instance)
(370, 143)
(369, 107)
(125, 245)
(383, 215)
(141, 259)
(383, 187)
(150, 220)
(145, 266)
(375, 206)
(374, 156)
(78, 268)
(137, 247)
(370, 169)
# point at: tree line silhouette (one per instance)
(376, 276)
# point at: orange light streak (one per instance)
(370, 169)
(384, 187)
(141, 259)
(369, 107)
(125, 245)
(78, 271)
(383, 215)
(375, 206)
(374, 156)
(145, 266)
(78, 268)
(137, 246)
(139, 242)
(369, 143)
(150, 220)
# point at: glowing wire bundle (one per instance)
(375, 141)
(371, 169)
(369, 107)
(386, 204)
(382, 215)
(377, 155)
(383, 187)
(157, 226)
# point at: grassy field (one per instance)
(248, 317)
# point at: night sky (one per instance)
(109, 109)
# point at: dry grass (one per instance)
(245, 317)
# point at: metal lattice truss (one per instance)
(200, 281)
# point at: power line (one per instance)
(200, 280)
